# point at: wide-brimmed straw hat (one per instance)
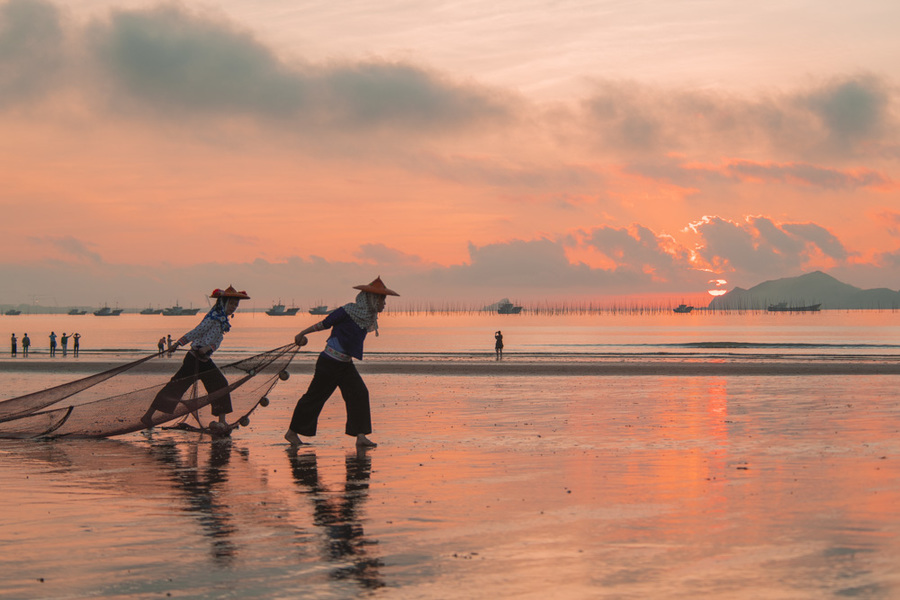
(229, 292)
(376, 287)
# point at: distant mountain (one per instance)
(812, 288)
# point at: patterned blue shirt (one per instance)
(348, 335)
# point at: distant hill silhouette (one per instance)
(812, 288)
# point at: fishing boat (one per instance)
(108, 312)
(319, 310)
(75, 311)
(783, 307)
(13, 312)
(683, 308)
(151, 311)
(179, 311)
(505, 307)
(278, 310)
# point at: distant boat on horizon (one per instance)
(505, 307)
(683, 308)
(75, 311)
(319, 310)
(783, 307)
(13, 312)
(108, 312)
(278, 310)
(151, 311)
(179, 311)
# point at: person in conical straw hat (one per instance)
(349, 326)
(205, 339)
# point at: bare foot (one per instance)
(293, 439)
(363, 442)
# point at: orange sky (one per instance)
(536, 150)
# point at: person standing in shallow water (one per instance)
(14, 345)
(205, 339)
(26, 344)
(52, 344)
(349, 325)
(498, 345)
(76, 344)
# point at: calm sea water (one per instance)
(842, 333)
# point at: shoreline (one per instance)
(610, 367)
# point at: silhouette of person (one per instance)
(338, 514)
(349, 325)
(52, 344)
(205, 339)
(75, 344)
(161, 345)
(169, 342)
(14, 345)
(26, 344)
(498, 345)
(64, 341)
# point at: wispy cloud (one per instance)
(180, 65)
(69, 248)
(840, 119)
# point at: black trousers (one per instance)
(330, 375)
(191, 370)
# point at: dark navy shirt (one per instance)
(350, 335)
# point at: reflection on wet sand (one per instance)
(166, 514)
(668, 487)
(201, 487)
(338, 514)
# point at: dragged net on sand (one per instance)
(113, 402)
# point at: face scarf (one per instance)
(363, 311)
(217, 313)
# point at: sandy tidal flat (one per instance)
(507, 486)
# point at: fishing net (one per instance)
(29, 403)
(113, 402)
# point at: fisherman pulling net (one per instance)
(113, 407)
(205, 339)
(104, 405)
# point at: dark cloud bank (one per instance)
(173, 64)
(748, 252)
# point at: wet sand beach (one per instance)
(546, 366)
(671, 484)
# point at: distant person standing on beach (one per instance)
(161, 345)
(169, 342)
(14, 348)
(205, 339)
(52, 344)
(498, 345)
(26, 343)
(64, 340)
(349, 325)
(75, 343)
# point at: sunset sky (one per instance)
(466, 151)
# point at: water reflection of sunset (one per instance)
(571, 486)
